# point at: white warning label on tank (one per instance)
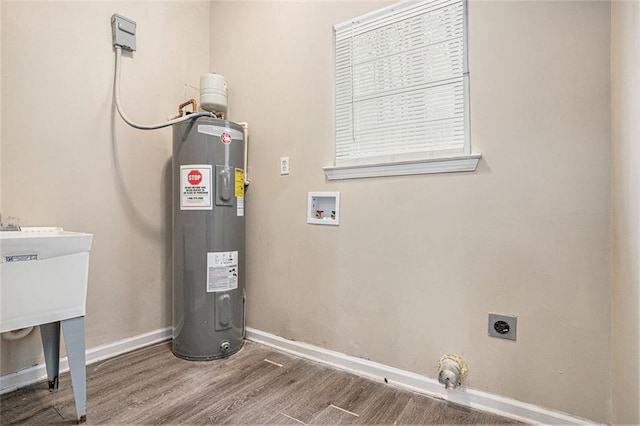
(240, 208)
(222, 271)
(195, 187)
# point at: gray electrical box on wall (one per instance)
(123, 31)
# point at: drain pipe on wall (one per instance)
(245, 126)
(17, 334)
(451, 371)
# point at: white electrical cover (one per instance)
(213, 93)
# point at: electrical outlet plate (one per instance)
(284, 165)
(123, 31)
(503, 326)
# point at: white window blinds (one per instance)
(401, 83)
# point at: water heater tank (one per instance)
(208, 238)
(213, 93)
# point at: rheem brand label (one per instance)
(225, 138)
(195, 187)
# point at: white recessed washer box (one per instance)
(323, 208)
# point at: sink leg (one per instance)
(73, 330)
(50, 334)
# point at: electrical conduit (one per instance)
(146, 126)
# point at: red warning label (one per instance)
(195, 187)
(194, 177)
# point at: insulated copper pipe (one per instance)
(192, 102)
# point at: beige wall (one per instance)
(418, 262)
(1, 110)
(68, 161)
(625, 55)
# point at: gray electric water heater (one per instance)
(208, 239)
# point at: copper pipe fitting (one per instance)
(192, 102)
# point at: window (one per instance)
(402, 91)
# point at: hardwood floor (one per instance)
(258, 385)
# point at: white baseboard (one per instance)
(38, 373)
(484, 401)
(497, 404)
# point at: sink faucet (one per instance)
(11, 226)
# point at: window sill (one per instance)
(460, 163)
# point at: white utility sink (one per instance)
(43, 281)
(43, 276)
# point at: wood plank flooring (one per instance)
(258, 385)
